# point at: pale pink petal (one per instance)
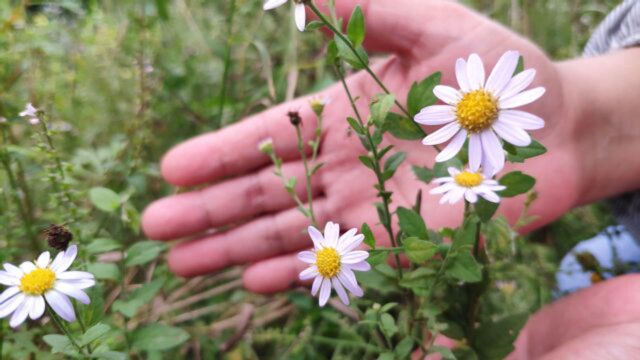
(43, 260)
(442, 135)
(307, 256)
(9, 293)
(325, 292)
(37, 308)
(300, 17)
(308, 273)
(470, 196)
(72, 291)
(61, 304)
(492, 150)
(11, 304)
(316, 285)
(361, 266)
(518, 83)
(461, 75)
(453, 148)
(340, 291)
(522, 119)
(475, 152)
(512, 134)
(443, 188)
(353, 243)
(436, 115)
(447, 94)
(316, 237)
(521, 99)
(354, 257)
(21, 313)
(272, 4)
(8, 279)
(348, 279)
(502, 72)
(331, 234)
(475, 72)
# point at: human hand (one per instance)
(266, 229)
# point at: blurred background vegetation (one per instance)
(124, 80)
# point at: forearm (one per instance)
(602, 97)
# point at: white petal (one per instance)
(470, 196)
(331, 234)
(443, 134)
(300, 17)
(325, 292)
(13, 270)
(43, 260)
(361, 266)
(453, 171)
(10, 305)
(454, 195)
(502, 72)
(345, 239)
(436, 115)
(37, 309)
(461, 75)
(272, 4)
(454, 147)
(511, 134)
(316, 285)
(8, 279)
(518, 83)
(521, 99)
(522, 119)
(492, 150)
(307, 256)
(490, 196)
(475, 72)
(475, 152)
(442, 180)
(79, 284)
(61, 304)
(447, 94)
(308, 273)
(63, 262)
(443, 188)
(353, 243)
(354, 257)
(75, 275)
(72, 291)
(27, 267)
(348, 279)
(21, 313)
(340, 291)
(316, 237)
(9, 293)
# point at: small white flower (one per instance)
(467, 184)
(483, 111)
(29, 111)
(333, 261)
(31, 284)
(266, 146)
(300, 12)
(318, 103)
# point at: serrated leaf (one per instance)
(158, 337)
(104, 199)
(419, 251)
(517, 183)
(143, 252)
(421, 93)
(356, 27)
(412, 224)
(369, 239)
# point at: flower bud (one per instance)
(266, 146)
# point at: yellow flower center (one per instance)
(38, 281)
(468, 179)
(477, 110)
(328, 262)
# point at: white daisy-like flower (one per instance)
(318, 103)
(468, 184)
(300, 12)
(332, 262)
(483, 111)
(33, 285)
(31, 113)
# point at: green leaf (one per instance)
(517, 183)
(332, 53)
(485, 209)
(404, 347)
(104, 199)
(377, 257)
(465, 236)
(411, 223)
(367, 161)
(104, 271)
(520, 66)
(314, 25)
(58, 343)
(387, 356)
(355, 125)
(140, 296)
(421, 94)
(440, 169)
(380, 108)
(520, 154)
(388, 325)
(158, 337)
(143, 252)
(356, 27)
(462, 266)
(419, 280)
(109, 355)
(419, 251)
(402, 127)
(94, 333)
(369, 239)
(346, 54)
(445, 352)
(102, 245)
(394, 161)
(494, 339)
(423, 173)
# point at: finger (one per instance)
(400, 26)
(234, 149)
(605, 304)
(268, 236)
(273, 275)
(224, 203)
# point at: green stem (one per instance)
(366, 67)
(227, 62)
(307, 176)
(376, 169)
(63, 328)
(1, 338)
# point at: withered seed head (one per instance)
(294, 118)
(58, 236)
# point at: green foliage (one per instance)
(402, 127)
(421, 93)
(517, 183)
(356, 27)
(158, 337)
